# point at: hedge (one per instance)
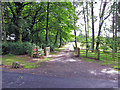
(17, 48)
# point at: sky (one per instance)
(96, 25)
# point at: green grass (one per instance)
(9, 59)
(59, 49)
(117, 67)
(53, 53)
(88, 60)
(106, 58)
(56, 50)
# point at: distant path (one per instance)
(65, 71)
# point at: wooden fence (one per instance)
(92, 52)
(96, 54)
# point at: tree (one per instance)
(0, 22)
(40, 22)
(74, 24)
(75, 16)
(92, 14)
(101, 20)
(3, 21)
(17, 17)
(47, 23)
(115, 36)
(85, 27)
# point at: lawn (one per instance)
(55, 52)
(105, 58)
(26, 60)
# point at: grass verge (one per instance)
(7, 60)
(105, 58)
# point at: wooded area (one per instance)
(66, 42)
(51, 23)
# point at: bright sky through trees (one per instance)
(107, 22)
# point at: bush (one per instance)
(117, 67)
(17, 48)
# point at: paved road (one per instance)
(19, 80)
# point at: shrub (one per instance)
(117, 67)
(17, 48)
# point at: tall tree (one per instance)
(3, 22)
(92, 14)
(101, 20)
(113, 18)
(75, 24)
(115, 36)
(16, 12)
(60, 38)
(87, 14)
(0, 22)
(47, 23)
(75, 16)
(85, 27)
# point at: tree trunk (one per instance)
(3, 23)
(20, 35)
(56, 38)
(101, 23)
(113, 22)
(75, 38)
(115, 37)
(113, 49)
(98, 37)
(87, 20)
(85, 28)
(92, 14)
(47, 23)
(60, 39)
(74, 27)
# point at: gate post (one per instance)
(98, 56)
(47, 51)
(78, 51)
(86, 52)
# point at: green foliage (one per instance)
(17, 48)
(104, 47)
(117, 67)
(31, 19)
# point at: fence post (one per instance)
(75, 50)
(47, 51)
(37, 51)
(118, 54)
(78, 51)
(98, 54)
(113, 54)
